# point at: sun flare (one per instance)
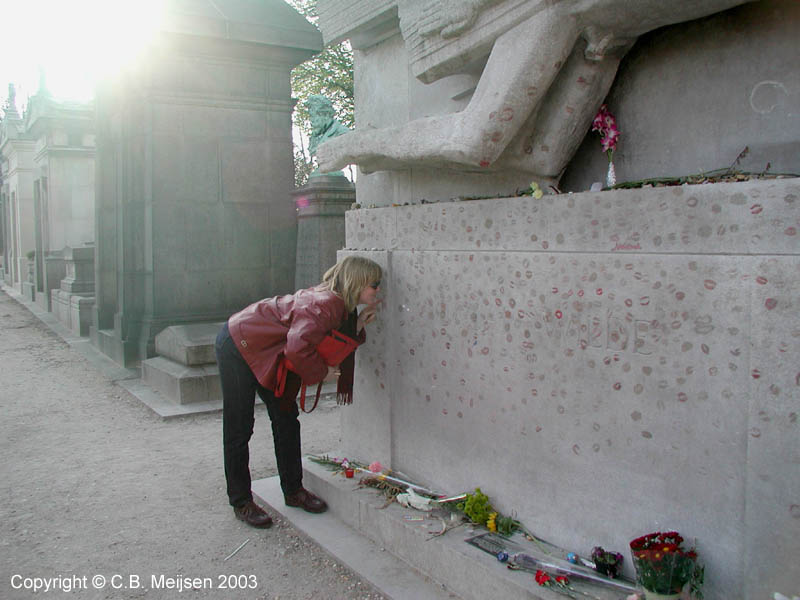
(76, 44)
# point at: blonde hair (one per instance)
(349, 276)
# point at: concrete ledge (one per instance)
(391, 576)
(461, 569)
(166, 407)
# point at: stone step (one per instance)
(180, 383)
(461, 569)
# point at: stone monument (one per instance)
(322, 202)
(601, 364)
(550, 64)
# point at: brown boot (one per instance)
(252, 514)
(304, 499)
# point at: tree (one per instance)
(329, 73)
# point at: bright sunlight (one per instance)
(76, 42)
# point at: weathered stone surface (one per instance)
(640, 345)
(79, 270)
(190, 345)
(321, 207)
(182, 384)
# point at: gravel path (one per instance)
(94, 485)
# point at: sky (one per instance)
(76, 42)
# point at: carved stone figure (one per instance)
(10, 107)
(550, 65)
(324, 125)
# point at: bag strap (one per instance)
(303, 398)
(280, 377)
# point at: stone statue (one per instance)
(551, 64)
(324, 125)
(10, 107)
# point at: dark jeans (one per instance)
(239, 387)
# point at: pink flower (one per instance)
(606, 125)
(376, 467)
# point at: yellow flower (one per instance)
(491, 524)
(536, 191)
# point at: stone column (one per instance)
(193, 171)
(321, 205)
(3, 233)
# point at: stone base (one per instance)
(80, 308)
(59, 304)
(28, 291)
(180, 383)
(321, 206)
(629, 337)
(74, 311)
(121, 352)
(191, 345)
(185, 370)
(456, 568)
(43, 300)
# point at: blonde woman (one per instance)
(250, 347)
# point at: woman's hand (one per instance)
(333, 374)
(366, 316)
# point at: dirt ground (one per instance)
(101, 495)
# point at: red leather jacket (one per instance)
(293, 326)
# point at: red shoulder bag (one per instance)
(333, 349)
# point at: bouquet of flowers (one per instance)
(663, 566)
(607, 563)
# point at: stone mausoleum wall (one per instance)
(601, 364)
(194, 171)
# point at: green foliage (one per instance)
(329, 73)
(507, 525)
(302, 167)
(476, 506)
